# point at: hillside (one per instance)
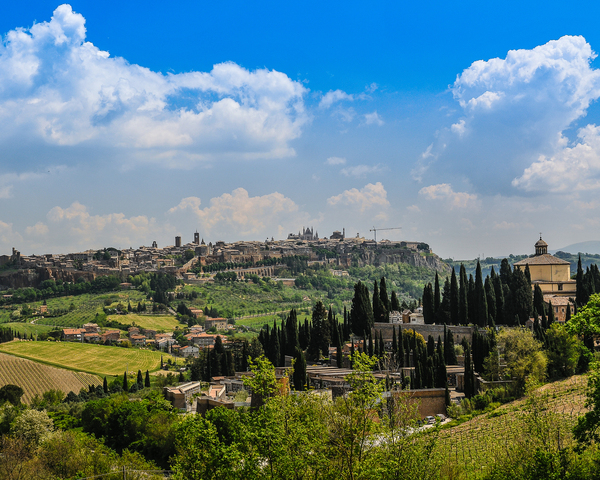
(36, 378)
(590, 247)
(480, 443)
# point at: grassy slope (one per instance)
(156, 322)
(36, 378)
(482, 441)
(95, 359)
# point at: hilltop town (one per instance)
(185, 260)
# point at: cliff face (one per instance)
(33, 277)
(381, 256)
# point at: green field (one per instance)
(28, 328)
(155, 322)
(83, 357)
(36, 378)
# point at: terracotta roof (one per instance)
(557, 301)
(545, 259)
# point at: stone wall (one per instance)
(430, 401)
(435, 331)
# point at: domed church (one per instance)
(552, 274)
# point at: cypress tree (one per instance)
(395, 305)
(125, 383)
(463, 294)
(361, 313)
(437, 298)
(454, 299)
(428, 307)
(568, 314)
(147, 380)
(505, 272)
(551, 318)
(339, 355)
(500, 317)
(140, 380)
(381, 345)
(385, 301)
(580, 287)
(444, 315)
(538, 298)
(401, 355)
(447, 395)
(105, 385)
(371, 353)
(394, 344)
(377, 307)
(522, 298)
(481, 301)
(299, 375)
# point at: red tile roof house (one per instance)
(111, 335)
(91, 337)
(137, 339)
(73, 334)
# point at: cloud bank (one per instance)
(58, 89)
(515, 112)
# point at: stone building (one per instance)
(552, 274)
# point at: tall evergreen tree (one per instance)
(505, 272)
(490, 295)
(444, 316)
(522, 299)
(580, 294)
(125, 383)
(140, 380)
(400, 357)
(568, 314)
(395, 304)
(385, 301)
(463, 294)
(437, 297)
(299, 375)
(361, 313)
(454, 299)
(377, 307)
(428, 307)
(551, 318)
(147, 380)
(105, 385)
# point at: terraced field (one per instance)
(36, 378)
(95, 359)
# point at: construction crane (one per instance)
(375, 230)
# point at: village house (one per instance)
(182, 395)
(218, 323)
(73, 334)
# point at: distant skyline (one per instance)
(471, 127)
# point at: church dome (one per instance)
(541, 247)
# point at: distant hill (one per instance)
(592, 247)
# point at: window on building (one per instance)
(560, 287)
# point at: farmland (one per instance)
(167, 323)
(551, 411)
(35, 378)
(95, 359)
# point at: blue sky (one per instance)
(471, 126)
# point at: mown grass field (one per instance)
(156, 322)
(551, 411)
(27, 328)
(36, 378)
(95, 359)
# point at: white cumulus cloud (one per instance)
(514, 110)
(447, 195)
(574, 168)
(56, 88)
(334, 96)
(237, 213)
(335, 161)
(370, 196)
(373, 119)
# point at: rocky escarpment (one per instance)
(33, 277)
(382, 256)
